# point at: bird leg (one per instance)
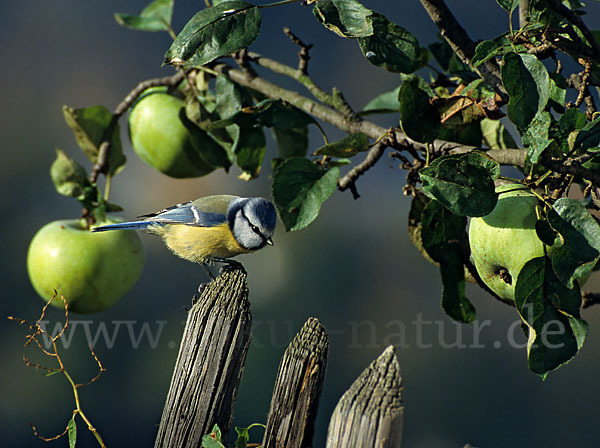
(207, 269)
(229, 264)
(210, 275)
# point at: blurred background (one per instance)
(354, 268)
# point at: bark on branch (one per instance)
(398, 140)
(462, 44)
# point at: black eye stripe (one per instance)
(252, 226)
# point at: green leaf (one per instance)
(572, 120)
(209, 150)
(489, 49)
(346, 18)
(442, 52)
(231, 98)
(299, 189)
(443, 234)
(469, 134)
(72, 431)
(213, 439)
(415, 215)
(214, 32)
(280, 114)
(418, 118)
(480, 91)
(589, 136)
(528, 84)
(386, 102)
(495, 135)
(545, 232)
(576, 252)
(154, 17)
(338, 162)
(454, 300)
(391, 46)
(89, 126)
(111, 207)
(242, 437)
(441, 230)
(463, 183)
(249, 149)
(508, 5)
(270, 113)
(551, 312)
(558, 92)
(349, 146)
(537, 136)
(291, 142)
(68, 176)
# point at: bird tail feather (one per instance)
(124, 225)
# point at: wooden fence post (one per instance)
(209, 366)
(295, 401)
(370, 413)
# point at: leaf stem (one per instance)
(170, 30)
(107, 187)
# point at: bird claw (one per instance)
(201, 288)
(229, 264)
(230, 267)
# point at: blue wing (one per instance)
(191, 213)
(187, 213)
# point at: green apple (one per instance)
(503, 241)
(159, 137)
(92, 271)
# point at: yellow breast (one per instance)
(198, 244)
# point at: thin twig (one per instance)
(570, 166)
(572, 45)
(38, 330)
(243, 61)
(581, 82)
(462, 44)
(523, 13)
(101, 165)
(101, 369)
(349, 180)
(47, 439)
(576, 20)
(303, 56)
(398, 140)
(334, 100)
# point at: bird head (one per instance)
(252, 222)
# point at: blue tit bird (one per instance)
(212, 228)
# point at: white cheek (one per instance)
(245, 236)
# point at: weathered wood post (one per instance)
(209, 366)
(295, 400)
(370, 413)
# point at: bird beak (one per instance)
(269, 241)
